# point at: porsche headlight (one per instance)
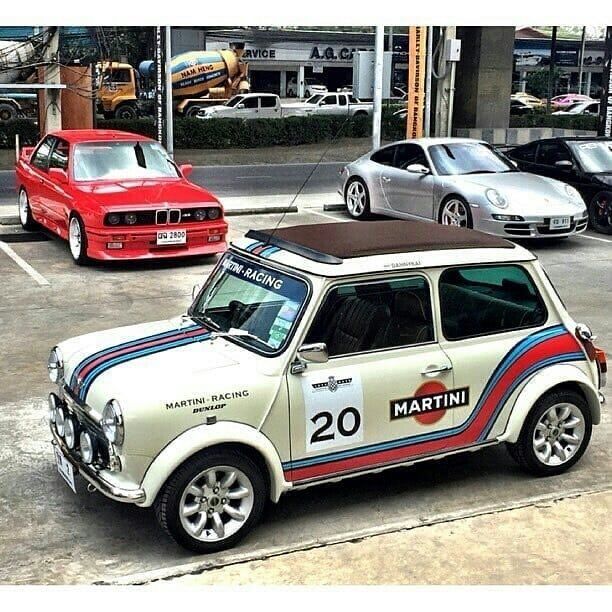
(573, 193)
(112, 422)
(55, 365)
(496, 198)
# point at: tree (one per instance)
(537, 82)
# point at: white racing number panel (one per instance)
(333, 407)
(172, 237)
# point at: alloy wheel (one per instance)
(24, 208)
(356, 199)
(454, 213)
(75, 238)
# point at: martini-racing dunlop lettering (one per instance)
(252, 273)
(433, 402)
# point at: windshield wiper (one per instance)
(479, 172)
(234, 332)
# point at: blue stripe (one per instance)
(269, 251)
(123, 345)
(89, 379)
(253, 246)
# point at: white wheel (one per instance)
(357, 200)
(25, 212)
(77, 240)
(455, 212)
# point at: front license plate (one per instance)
(172, 237)
(560, 223)
(65, 468)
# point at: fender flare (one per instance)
(539, 384)
(204, 436)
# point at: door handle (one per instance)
(433, 370)
(386, 179)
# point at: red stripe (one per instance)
(139, 347)
(553, 346)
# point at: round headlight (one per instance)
(53, 403)
(69, 432)
(55, 365)
(200, 214)
(131, 219)
(87, 447)
(573, 193)
(60, 420)
(496, 198)
(214, 213)
(114, 219)
(112, 422)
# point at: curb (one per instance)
(331, 207)
(12, 220)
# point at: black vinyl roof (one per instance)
(333, 242)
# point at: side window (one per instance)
(251, 102)
(342, 100)
(384, 156)
(40, 159)
(59, 156)
(408, 154)
(526, 153)
(373, 316)
(268, 102)
(481, 300)
(549, 153)
(328, 100)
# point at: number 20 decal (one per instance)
(347, 424)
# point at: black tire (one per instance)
(600, 212)
(125, 111)
(25, 215)
(81, 258)
(167, 504)
(192, 110)
(7, 112)
(366, 212)
(470, 220)
(523, 450)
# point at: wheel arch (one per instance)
(226, 436)
(553, 378)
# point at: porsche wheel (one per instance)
(212, 501)
(455, 211)
(357, 199)
(77, 239)
(25, 212)
(600, 212)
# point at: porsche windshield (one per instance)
(255, 304)
(467, 158)
(594, 156)
(111, 161)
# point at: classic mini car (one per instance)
(116, 195)
(320, 352)
(582, 162)
(463, 182)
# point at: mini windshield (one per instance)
(233, 101)
(121, 161)
(261, 302)
(467, 158)
(594, 156)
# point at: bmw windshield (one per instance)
(255, 304)
(595, 156)
(467, 158)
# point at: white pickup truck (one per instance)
(251, 106)
(334, 104)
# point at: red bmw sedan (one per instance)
(116, 195)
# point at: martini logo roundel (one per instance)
(429, 402)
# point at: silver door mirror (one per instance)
(194, 291)
(316, 352)
(564, 164)
(417, 169)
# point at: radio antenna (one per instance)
(295, 197)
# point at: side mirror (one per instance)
(58, 175)
(186, 169)
(514, 163)
(316, 352)
(240, 105)
(564, 164)
(195, 290)
(418, 169)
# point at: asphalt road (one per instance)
(251, 180)
(50, 535)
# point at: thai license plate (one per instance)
(560, 223)
(65, 469)
(172, 237)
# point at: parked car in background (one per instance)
(533, 101)
(311, 86)
(332, 104)
(587, 107)
(250, 106)
(461, 182)
(565, 100)
(116, 195)
(585, 163)
(519, 107)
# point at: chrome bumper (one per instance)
(95, 479)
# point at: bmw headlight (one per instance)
(573, 193)
(496, 198)
(55, 365)
(112, 422)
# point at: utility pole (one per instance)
(379, 51)
(445, 94)
(427, 108)
(582, 45)
(168, 87)
(51, 112)
(551, 68)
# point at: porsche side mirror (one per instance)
(186, 169)
(418, 169)
(58, 175)
(564, 164)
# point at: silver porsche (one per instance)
(464, 182)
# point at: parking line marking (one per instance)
(595, 238)
(322, 214)
(24, 265)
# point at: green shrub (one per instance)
(567, 122)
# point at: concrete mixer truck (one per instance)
(13, 57)
(199, 78)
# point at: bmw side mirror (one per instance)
(418, 169)
(186, 169)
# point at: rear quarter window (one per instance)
(480, 300)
